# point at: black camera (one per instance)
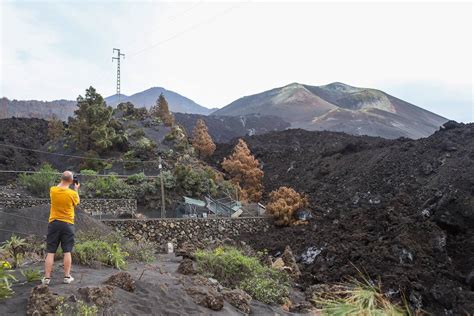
(75, 179)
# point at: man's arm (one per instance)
(77, 199)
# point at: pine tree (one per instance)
(244, 171)
(161, 110)
(91, 126)
(284, 202)
(201, 140)
(55, 128)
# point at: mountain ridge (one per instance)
(339, 107)
(148, 97)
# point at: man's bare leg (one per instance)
(67, 264)
(48, 265)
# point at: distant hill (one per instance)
(147, 98)
(65, 108)
(339, 107)
(37, 109)
(224, 128)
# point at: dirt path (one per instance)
(159, 291)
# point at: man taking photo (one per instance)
(61, 225)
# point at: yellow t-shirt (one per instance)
(63, 201)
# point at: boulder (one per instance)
(290, 262)
(186, 267)
(102, 296)
(122, 280)
(239, 299)
(207, 297)
(42, 301)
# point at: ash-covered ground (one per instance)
(401, 211)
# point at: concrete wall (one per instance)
(90, 206)
(178, 230)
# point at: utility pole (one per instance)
(118, 68)
(163, 214)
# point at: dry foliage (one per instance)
(284, 202)
(244, 170)
(161, 110)
(201, 140)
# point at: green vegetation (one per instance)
(92, 161)
(196, 181)
(31, 275)
(6, 278)
(78, 309)
(93, 127)
(15, 249)
(130, 112)
(112, 249)
(97, 250)
(105, 187)
(234, 269)
(39, 183)
(358, 298)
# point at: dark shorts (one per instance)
(60, 232)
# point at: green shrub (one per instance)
(194, 181)
(170, 137)
(265, 289)
(31, 275)
(39, 183)
(15, 248)
(143, 251)
(137, 178)
(105, 187)
(97, 250)
(78, 309)
(234, 269)
(138, 133)
(5, 280)
(92, 161)
(169, 180)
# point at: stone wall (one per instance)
(90, 206)
(179, 230)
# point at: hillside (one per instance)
(224, 128)
(339, 107)
(400, 210)
(147, 98)
(37, 109)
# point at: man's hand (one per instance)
(77, 186)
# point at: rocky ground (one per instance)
(22, 132)
(401, 211)
(144, 289)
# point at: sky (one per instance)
(216, 52)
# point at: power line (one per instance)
(85, 175)
(166, 20)
(191, 28)
(78, 157)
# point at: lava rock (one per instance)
(186, 267)
(290, 262)
(239, 299)
(122, 280)
(207, 297)
(102, 296)
(42, 301)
